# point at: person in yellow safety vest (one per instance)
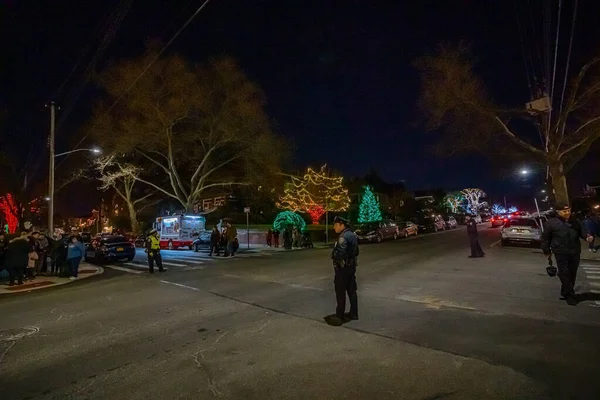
(153, 250)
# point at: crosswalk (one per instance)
(181, 260)
(592, 274)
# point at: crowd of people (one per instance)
(292, 238)
(32, 254)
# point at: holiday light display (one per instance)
(286, 218)
(315, 194)
(9, 208)
(512, 209)
(498, 209)
(368, 210)
(473, 195)
(453, 201)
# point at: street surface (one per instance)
(434, 324)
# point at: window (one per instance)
(521, 222)
(113, 239)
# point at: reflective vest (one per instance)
(154, 243)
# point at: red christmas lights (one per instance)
(9, 207)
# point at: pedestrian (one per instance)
(17, 257)
(269, 237)
(561, 237)
(345, 260)
(3, 247)
(276, 238)
(153, 250)
(295, 238)
(58, 255)
(215, 237)
(590, 226)
(231, 240)
(476, 250)
(75, 253)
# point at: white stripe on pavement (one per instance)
(592, 266)
(594, 277)
(180, 285)
(173, 264)
(129, 270)
(596, 284)
(186, 260)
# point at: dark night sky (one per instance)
(337, 73)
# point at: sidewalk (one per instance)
(257, 248)
(41, 282)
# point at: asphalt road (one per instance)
(433, 325)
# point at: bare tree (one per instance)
(393, 202)
(201, 128)
(454, 98)
(122, 178)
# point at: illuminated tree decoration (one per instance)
(498, 209)
(9, 207)
(473, 197)
(368, 210)
(285, 218)
(512, 209)
(453, 200)
(315, 193)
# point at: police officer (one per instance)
(153, 250)
(345, 257)
(476, 250)
(561, 237)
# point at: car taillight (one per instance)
(505, 220)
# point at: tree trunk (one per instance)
(559, 181)
(133, 218)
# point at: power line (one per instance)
(554, 72)
(204, 4)
(523, 48)
(115, 22)
(562, 98)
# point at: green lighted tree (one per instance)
(368, 210)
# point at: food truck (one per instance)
(176, 231)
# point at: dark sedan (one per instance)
(109, 248)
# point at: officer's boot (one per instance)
(353, 314)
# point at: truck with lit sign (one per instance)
(177, 231)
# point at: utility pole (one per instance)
(51, 170)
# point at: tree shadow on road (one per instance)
(587, 296)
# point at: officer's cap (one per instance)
(340, 220)
(562, 206)
(152, 232)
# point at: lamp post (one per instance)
(53, 156)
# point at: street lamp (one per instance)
(50, 197)
(524, 172)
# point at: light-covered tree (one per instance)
(368, 210)
(453, 200)
(473, 197)
(315, 193)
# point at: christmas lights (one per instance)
(285, 218)
(9, 207)
(315, 194)
(368, 211)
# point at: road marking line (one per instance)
(185, 260)
(594, 277)
(173, 264)
(597, 284)
(129, 270)
(495, 243)
(182, 286)
(593, 266)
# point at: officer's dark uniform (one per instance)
(345, 259)
(562, 237)
(476, 250)
(153, 250)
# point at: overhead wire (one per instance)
(523, 49)
(537, 48)
(562, 97)
(189, 20)
(554, 72)
(74, 95)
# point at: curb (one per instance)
(44, 282)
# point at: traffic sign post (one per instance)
(247, 212)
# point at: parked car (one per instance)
(202, 238)
(140, 241)
(450, 222)
(431, 224)
(498, 220)
(405, 229)
(521, 230)
(377, 231)
(108, 248)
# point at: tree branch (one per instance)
(586, 139)
(518, 141)
(159, 189)
(142, 198)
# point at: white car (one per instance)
(521, 230)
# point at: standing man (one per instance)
(590, 225)
(345, 261)
(215, 237)
(476, 250)
(153, 250)
(561, 237)
(231, 238)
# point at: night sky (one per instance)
(337, 74)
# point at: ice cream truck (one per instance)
(177, 231)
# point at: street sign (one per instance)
(246, 210)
